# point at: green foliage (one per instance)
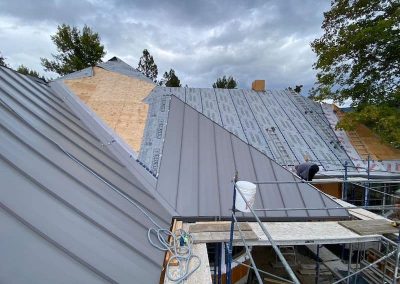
(2, 61)
(358, 57)
(147, 66)
(170, 79)
(225, 83)
(296, 89)
(76, 50)
(26, 71)
(382, 119)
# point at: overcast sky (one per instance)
(201, 40)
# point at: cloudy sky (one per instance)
(201, 40)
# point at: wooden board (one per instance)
(216, 237)
(118, 100)
(370, 227)
(216, 227)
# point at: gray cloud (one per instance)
(201, 40)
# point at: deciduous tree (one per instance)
(225, 83)
(76, 50)
(358, 58)
(147, 66)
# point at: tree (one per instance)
(76, 50)
(26, 71)
(225, 83)
(3, 61)
(147, 66)
(296, 89)
(358, 58)
(170, 79)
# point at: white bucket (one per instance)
(248, 190)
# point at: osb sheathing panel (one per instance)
(118, 100)
(371, 144)
(375, 146)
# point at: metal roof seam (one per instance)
(180, 160)
(256, 176)
(255, 119)
(240, 153)
(273, 119)
(218, 181)
(79, 212)
(54, 129)
(40, 99)
(299, 132)
(118, 148)
(219, 110)
(237, 113)
(55, 244)
(279, 187)
(313, 127)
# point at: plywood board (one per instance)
(216, 237)
(118, 100)
(202, 274)
(370, 227)
(216, 227)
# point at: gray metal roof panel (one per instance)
(84, 73)
(117, 65)
(59, 196)
(269, 121)
(199, 161)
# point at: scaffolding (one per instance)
(385, 264)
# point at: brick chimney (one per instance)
(258, 85)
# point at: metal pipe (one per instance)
(317, 268)
(366, 267)
(366, 191)
(358, 264)
(396, 268)
(219, 263)
(344, 195)
(384, 265)
(264, 272)
(229, 260)
(336, 180)
(271, 240)
(349, 263)
(377, 207)
(248, 251)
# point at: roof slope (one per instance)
(117, 99)
(284, 126)
(200, 158)
(63, 217)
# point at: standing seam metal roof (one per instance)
(277, 123)
(62, 217)
(199, 161)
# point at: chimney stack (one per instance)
(258, 85)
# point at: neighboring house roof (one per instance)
(199, 160)
(285, 126)
(65, 214)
